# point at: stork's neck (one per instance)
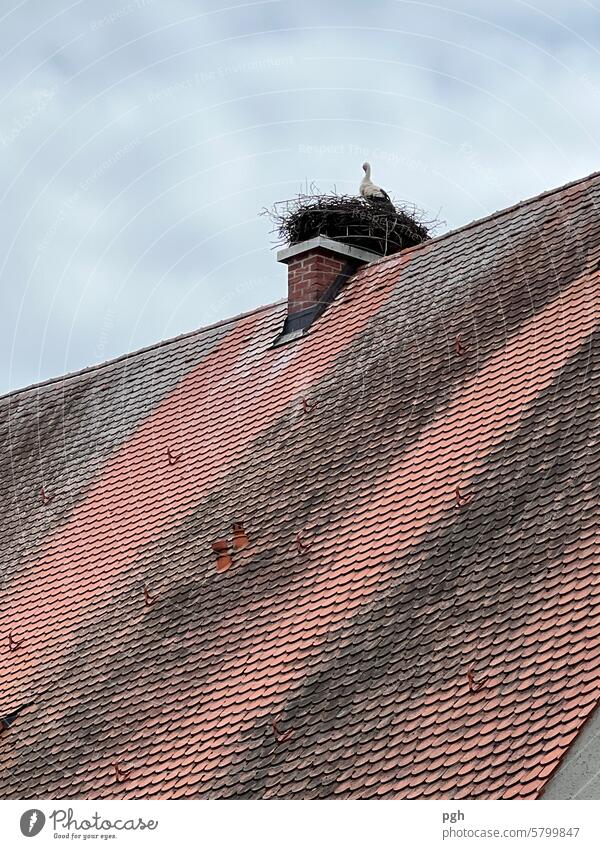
(368, 173)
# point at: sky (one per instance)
(140, 140)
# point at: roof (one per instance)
(416, 615)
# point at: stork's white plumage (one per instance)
(371, 192)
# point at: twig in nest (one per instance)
(348, 219)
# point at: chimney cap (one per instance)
(326, 244)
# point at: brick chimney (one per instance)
(317, 270)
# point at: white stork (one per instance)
(374, 194)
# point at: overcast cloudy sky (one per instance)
(139, 140)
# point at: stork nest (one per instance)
(351, 220)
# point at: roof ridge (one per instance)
(497, 214)
(128, 355)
